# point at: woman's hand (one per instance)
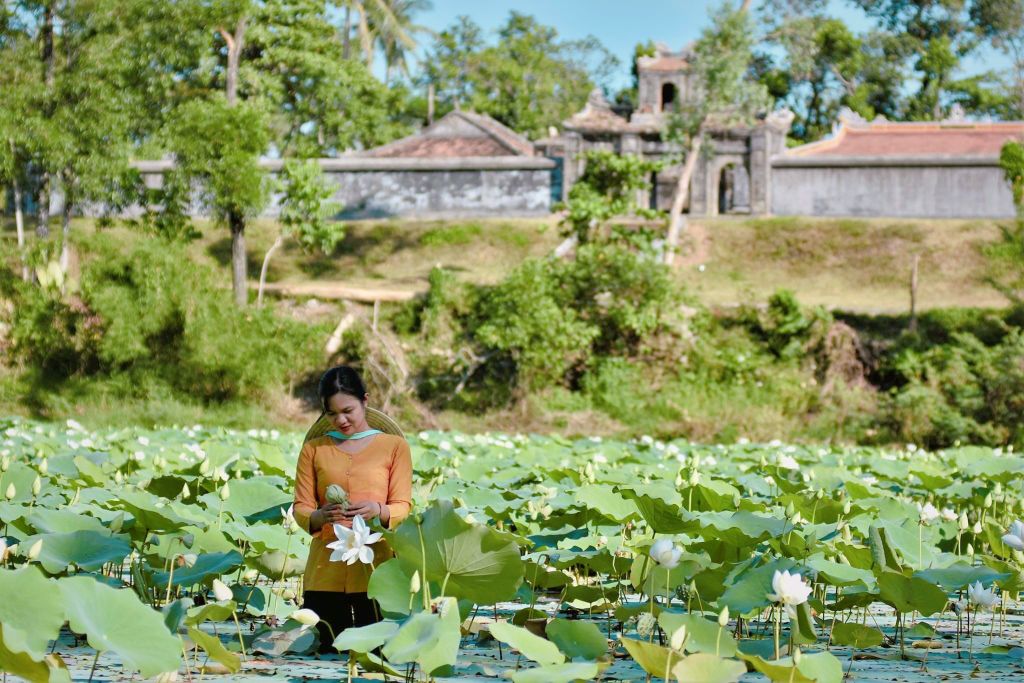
(332, 513)
(367, 509)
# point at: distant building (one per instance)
(942, 169)
(733, 177)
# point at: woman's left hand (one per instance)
(367, 509)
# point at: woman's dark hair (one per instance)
(340, 380)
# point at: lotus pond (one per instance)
(170, 554)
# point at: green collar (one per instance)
(358, 435)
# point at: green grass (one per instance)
(859, 265)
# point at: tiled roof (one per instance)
(458, 134)
(662, 63)
(597, 116)
(927, 139)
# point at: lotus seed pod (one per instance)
(723, 617)
(225, 492)
(336, 494)
(414, 582)
(44, 466)
(11, 491)
(645, 624)
(33, 552)
(37, 486)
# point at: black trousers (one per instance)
(341, 611)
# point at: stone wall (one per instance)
(891, 186)
(423, 187)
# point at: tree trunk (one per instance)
(263, 271)
(43, 227)
(43, 212)
(675, 224)
(346, 39)
(238, 264)
(235, 43)
(430, 103)
(19, 222)
(47, 38)
(65, 235)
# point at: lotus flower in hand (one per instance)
(353, 544)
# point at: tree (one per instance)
(723, 58)
(217, 147)
(1007, 255)
(933, 37)
(305, 210)
(529, 80)
(385, 22)
(1002, 23)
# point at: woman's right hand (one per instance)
(329, 514)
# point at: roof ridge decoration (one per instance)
(428, 142)
(597, 115)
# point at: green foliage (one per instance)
(219, 145)
(305, 208)
(457, 233)
(607, 189)
(529, 80)
(1011, 159)
(147, 314)
(785, 327)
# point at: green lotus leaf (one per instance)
(366, 638)
(87, 549)
(248, 496)
(662, 516)
(647, 577)
(174, 613)
(389, 586)
(207, 566)
(48, 668)
(215, 649)
(856, 635)
(702, 635)
(1014, 580)
(652, 658)
(115, 621)
(603, 499)
(151, 513)
(907, 594)
(838, 574)
(211, 611)
(779, 671)
(559, 673)
(959, 575)
(533, 647)
(63, 521)
(804, 632)
(576, 638)
(275, 564)
(31, 611)
(265, 537)
(471, 561)
(276, 642)
(822, 667)
(89, 472)
(428, 638)
(707, 668)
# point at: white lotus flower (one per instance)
(948, 514)
(666, 554)
(981, 598)
(3, 550)
(221, 591)
(1014, 537)
(289, 519)
(788, 462)
(928, 512)
(353, 544)
(790, 590)
(306, 617)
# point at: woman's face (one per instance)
(347, 413)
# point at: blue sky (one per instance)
(621, 25)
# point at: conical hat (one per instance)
(374, 418)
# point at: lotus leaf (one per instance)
(214, 648)
(428, 638)
(702, 635)
(86, 549)
(779, 671)
(558, 673)
(207, 566)
(274, 563)
(652, 658)
(707, 668)
(751, 588)
(910, 594)
(366, 638)
(856, 635)
(46, 521)
(114, 620)
(959, 575)
(577, 639)
(535, 648)
(48, 668)
(30, 611)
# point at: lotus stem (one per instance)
(777, 617)
(238, 627)
(170, 580)
(95, 660)
(444, 584)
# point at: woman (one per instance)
(375, 470)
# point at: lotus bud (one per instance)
(976, 528)
(250, 576)
(185, 492)
(970, 549)
(225, 492)
(221, 592)
(847, 534)
(723, 617)
(998, 489)
(187, 560)
(679, 479)
(306, 617)
(764, 461)
(118, 479)
(288, 594)
(847, 507)
(988, 501)
(37, 486)
(204, 467)
(790, 511)
(117, 523)
(820, 494)
(11, 491)
(5, 463)
(694, 477)
(678, 639)
(736, 500)
(797, 656)
(44, 466)
(35, 550)
(336, 494)
(414, 582)
(964, 523)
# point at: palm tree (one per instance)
(396, 51)
(384, 22)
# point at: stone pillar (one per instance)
(760, 172)
(572, 165)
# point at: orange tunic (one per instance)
(381, 472)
